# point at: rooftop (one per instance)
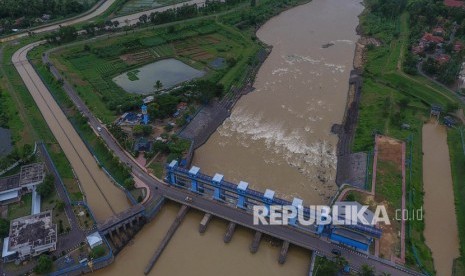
(32, 174)
(9, 183)
(32, 232)
(454, 3)
(432, 38)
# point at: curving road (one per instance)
(98, 9)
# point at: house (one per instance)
(182, 106)
(442, 58)
(46, 17)
(129, 118)
(142, 144)
(148, 99)
(454, 3)
(94, 239)
(13, 187)
(449, 121)
(419, 49)
(439, 31)
(458, 46)
(430, 38)
(30, 236)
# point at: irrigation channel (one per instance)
(441, 233)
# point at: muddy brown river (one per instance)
(277, 137)
(441, 232)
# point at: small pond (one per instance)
(169, 71)
(6, 145)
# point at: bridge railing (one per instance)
(257, 196)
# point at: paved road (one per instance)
(91, 177)
(98, 9)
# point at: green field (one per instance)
(456, 141)
(91, 68)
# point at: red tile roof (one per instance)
(454, 3)
(458, 46)
(428, 37)
(442, 58)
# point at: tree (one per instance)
(366, 270)
(158, 85)
(4, 228)
(129, 183)
(44, 264)
(97, 252)
(116, 23)
(46, 188)
(451, 107)
(143, 18)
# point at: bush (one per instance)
(46, 188)
(44, 265)
(129, 183)
(4, 228)
(97, 252)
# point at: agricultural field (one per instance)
(91, 67)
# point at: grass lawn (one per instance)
(59, 215)
(21, 208)
(457, 157)
(84, 218)
(158, 169)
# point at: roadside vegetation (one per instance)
(456, 142)
(22, 14)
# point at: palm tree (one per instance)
(158, 85)
(366, 270)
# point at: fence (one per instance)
(84, 267)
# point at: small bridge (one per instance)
(126, 218)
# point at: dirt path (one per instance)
(441, 232)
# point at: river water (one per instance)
(277, 137)
(439, 199)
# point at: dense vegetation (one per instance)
(27, 13)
